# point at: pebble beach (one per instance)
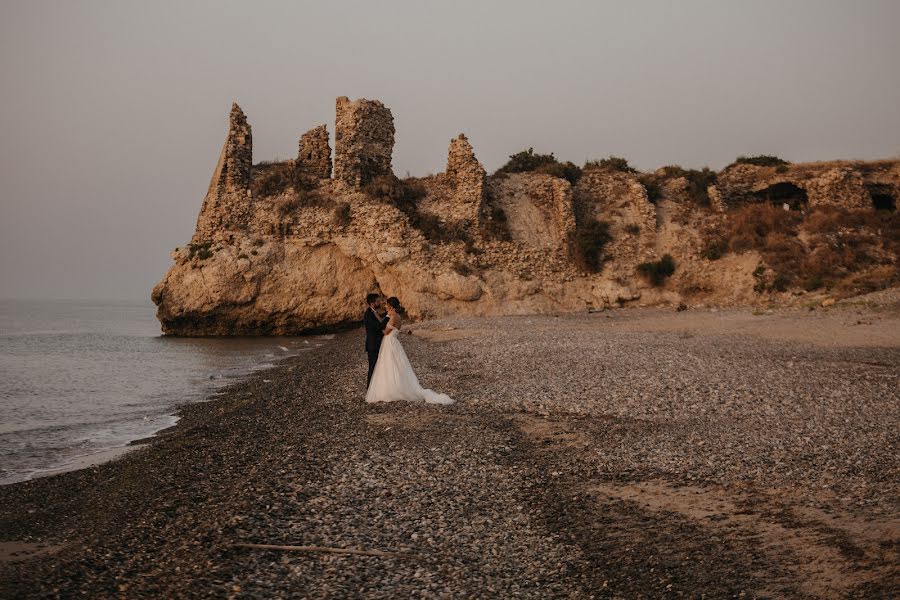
(635, 453)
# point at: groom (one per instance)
(375, 325)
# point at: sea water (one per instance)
(78, 378)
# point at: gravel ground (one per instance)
(628, 454)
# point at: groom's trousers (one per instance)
(373, 358)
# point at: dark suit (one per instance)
(374, 335)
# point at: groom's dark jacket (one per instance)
(374, 331)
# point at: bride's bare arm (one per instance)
(393, 323)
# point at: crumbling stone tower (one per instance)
(363, 140)
(227, 203)
(467, 178)
(314, 155)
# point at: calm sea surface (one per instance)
(81, 377)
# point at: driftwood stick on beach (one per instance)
(329, 550)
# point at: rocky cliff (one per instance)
(283, 248)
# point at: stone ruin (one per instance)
(364, 143)
(227, 202)
(363, 140)
(467, 179)
(806, 185)
(314, 155)
(472, 244)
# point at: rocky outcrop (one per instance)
(363, 141)
(303, 254)
(227, 206)
(314, 155)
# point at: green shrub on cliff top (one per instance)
(698, 181)
(761, 160)
(527, 161)
(611, 163)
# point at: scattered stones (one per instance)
(629, 454)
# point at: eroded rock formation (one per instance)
(290, 260)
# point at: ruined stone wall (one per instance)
(314, 155)
(227, 205)
(363, 140)
(539, 209)
(840, 186)
(620, 200)
(467, 179)
(291, 260)
(615, 195)
(833, 184)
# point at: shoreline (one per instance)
(62, 454)
(84, 462)
(595, 454)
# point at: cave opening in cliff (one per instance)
(783, 193)
(882, 198)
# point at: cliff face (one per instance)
(284, 248)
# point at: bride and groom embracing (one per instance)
(391, 377)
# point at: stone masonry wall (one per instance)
(363, 140)
(314, 154)
(839, 185)
(612, 194)
(467, 180)
(226, 206)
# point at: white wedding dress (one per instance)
(394, 378)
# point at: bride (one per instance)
(394, 378)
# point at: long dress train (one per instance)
(394, 378)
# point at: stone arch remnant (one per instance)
(783, 194)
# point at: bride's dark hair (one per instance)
(394, 303)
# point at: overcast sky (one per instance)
(112, 114)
